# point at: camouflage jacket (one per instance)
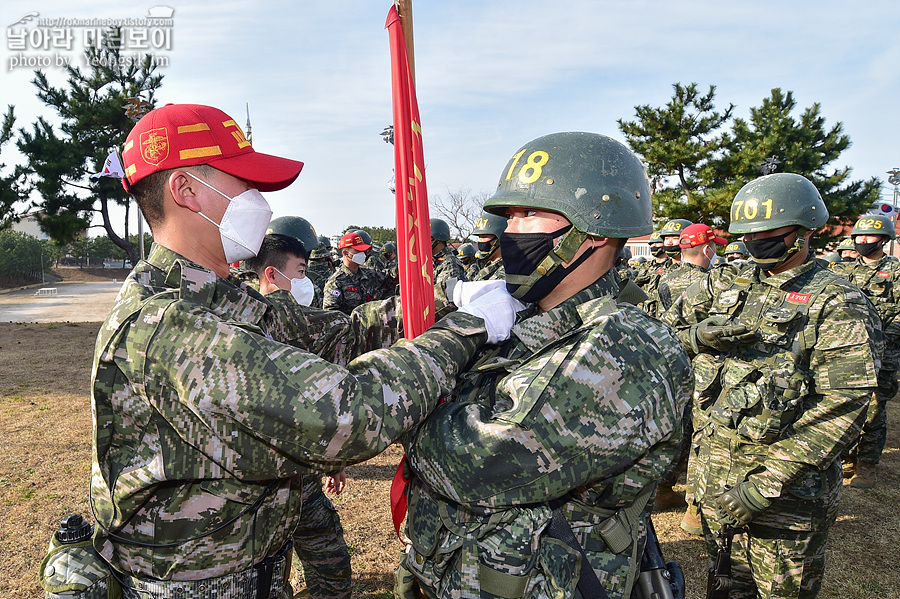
(446, 265)
(649, 271)
(651, 287)
(880, 281)
(202, 422)
(492, 271)
(778, 411)
(672, 283)
(345, 289)
(579, 408)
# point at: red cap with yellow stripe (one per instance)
(179, 135)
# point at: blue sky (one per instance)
(491, 76)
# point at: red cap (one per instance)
(698, 234)
(355, 241)
(179, 135)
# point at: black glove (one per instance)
(717, 333)
(737, 506)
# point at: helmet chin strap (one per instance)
(564, 251)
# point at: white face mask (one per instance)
(302, 289)
(359, 258)
(243, 225)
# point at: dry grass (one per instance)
(45, 429)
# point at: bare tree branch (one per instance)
(460, 208)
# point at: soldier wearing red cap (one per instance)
(352, 284)
(205, 422)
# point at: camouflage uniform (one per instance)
(204, 425)
(581, 409)
(318, 271)
(651, 287)
(649, 270)
(778, 411)
(492, 271)
(447, 265)
(879, 281)
(345, 289)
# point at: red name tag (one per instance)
(883, 274)
(798, 298)
(352, 288)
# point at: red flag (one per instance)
(413, 226)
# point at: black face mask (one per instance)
(771, 251)
(672, 250)
(486, 248)
(867, 249)
(657, 251)
(523, 252)
(848, 259)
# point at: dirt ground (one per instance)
(45, 452)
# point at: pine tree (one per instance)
(678, 141)
(12, 188)
(91, 109)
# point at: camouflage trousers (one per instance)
(872, 439)
(319, 542)
(769, 563)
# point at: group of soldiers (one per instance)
(537, 417)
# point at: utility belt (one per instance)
(265, 580)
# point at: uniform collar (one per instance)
(784, 279)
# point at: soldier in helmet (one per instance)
(320, 267)
(571, 422)
(303, 231)
(736, 250)
(879, 279)
(846, 249)
(655, 266)
(670, 234)
(785, 356)
(489, 227)
(466, 254)
(444, 260)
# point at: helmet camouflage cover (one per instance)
(874, 224)
(591, 179)
(777, 200)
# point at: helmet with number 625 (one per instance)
(777, 200)
(591, 179)
(874, 224)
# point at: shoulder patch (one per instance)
(336, 293)
(798, 298)
(882, 274)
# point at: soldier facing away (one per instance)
(785, 357)
(203, 424)
(573, 420)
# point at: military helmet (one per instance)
(777, 200)
(655, 238)
(593, 180)
(874, 224)
(296, 227)
(466, 250)
(389, 248)
(846, 244)
(440, 230)
(367, 239)
(639, 259)
(831, 257)
(324, 243)
(490, 224)
(736, 247)
(674, 227)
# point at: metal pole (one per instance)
(894, 179)
(43, 282)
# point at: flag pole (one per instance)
(404, 8)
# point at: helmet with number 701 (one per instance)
(874, 224)
(593, 180)
(777, 200)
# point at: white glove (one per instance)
(497, 308)
(466, 291)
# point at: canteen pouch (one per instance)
(76, 571)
